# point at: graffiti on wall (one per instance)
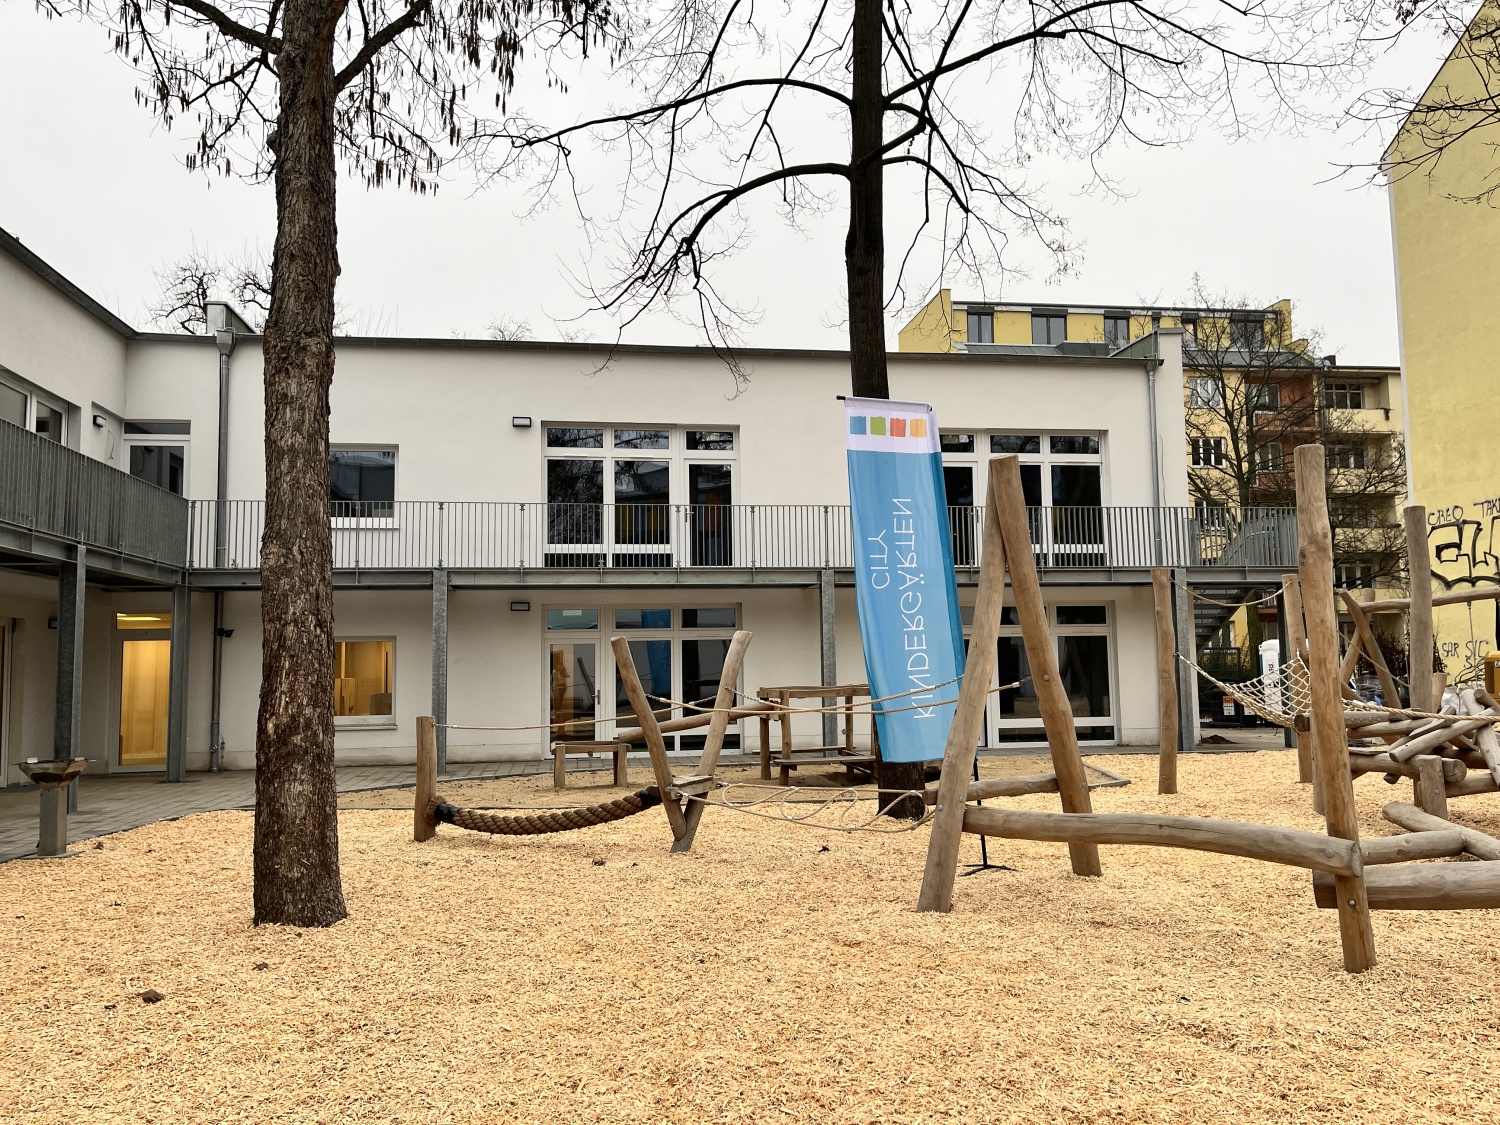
(1465, 544)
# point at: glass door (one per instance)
(145, 649)
(710, 494)
(1085, 664)
(574, 696)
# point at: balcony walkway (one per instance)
(118, 803)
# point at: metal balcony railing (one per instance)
(481, 535)
(50, 490)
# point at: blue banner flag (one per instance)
(903, 573)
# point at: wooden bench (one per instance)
(561, 750)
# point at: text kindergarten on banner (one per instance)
(903, 573)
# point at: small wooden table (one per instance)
(844, 754)
(561, 750)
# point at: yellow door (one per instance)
(144, 690)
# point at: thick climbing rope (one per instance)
(555, 820)
(1228, 605)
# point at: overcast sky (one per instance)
(97, 190)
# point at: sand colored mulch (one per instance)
(775, 974)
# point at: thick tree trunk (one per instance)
(864, 263)
(296, 814)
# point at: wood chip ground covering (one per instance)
(776, 974)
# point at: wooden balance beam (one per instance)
(1424, 886)
(1292, 846)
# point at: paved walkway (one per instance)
(121, 802)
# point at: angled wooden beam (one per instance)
(651, 729)
(1009, 503)
(1372, 649)
(968, 720)
(713, 744)
(1315, 558)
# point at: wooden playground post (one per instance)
(968, 720)
(1041, 651)
(651, 731)
(424, 824)
(1419, 613)
(713, 744)
(1372, 649)
(1315, 557)
(1296, 637)
(1166, 679)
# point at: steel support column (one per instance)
(177, 684)
(440, 664)
(67, 721)
(826, 651)
(1187, 647)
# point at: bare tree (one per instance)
(1253, 396)
(281, 90)
(509, 328)
(187, 285)
(1460, 108)
(817, 107)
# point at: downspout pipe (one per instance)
(224, 338)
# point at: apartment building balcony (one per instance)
(53, 499)
(399, 543)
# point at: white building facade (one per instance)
(501, 510)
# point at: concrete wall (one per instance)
(53, 344)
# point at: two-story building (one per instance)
(500, 510)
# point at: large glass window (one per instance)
(1116, 329)
(1343, 396)
(1084, 646)
(1205, 392)
(670, 507)
(1049, 328)
(362, 483)
(981, 326)
(12, 405)
(363, 676)
(653, 664)
(162, 465)
(50, 422)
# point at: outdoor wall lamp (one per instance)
(520, 421)
(520, 607)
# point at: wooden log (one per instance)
(1429, 789)
(1296, 638)
(1411, 846)
(655, 746)
(1484, 737)
(1041, 651)
(1018, 786)
(765, 748)
(1473, 785)
(1425, 743)
(941, 869)
(424, 824)
(758, 709)
(1361, 762)
(1293, 846)
(1166, 680)
(713, 743)
(1439, 686)
(1372, 648)
(1476, 843)
(1315, 559)
(1354, 719)
(1398, 728)
(1351, 660)
(1423, 886)
(1451, 597)
(1419, 613)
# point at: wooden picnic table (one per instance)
(845, 754)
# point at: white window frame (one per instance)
(183, 440)
(994, 721)
(369, 722)
(612, 721)
(391, 521)
(1205, 393)
(35, 397)
(1345, 389)
(1207, 453)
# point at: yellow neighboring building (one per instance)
(1234, 360)
(1447, 242)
